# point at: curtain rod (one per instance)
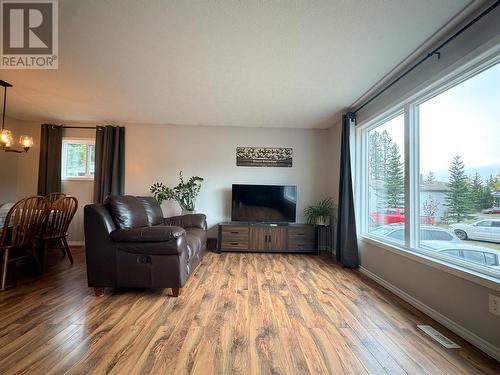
(435, 51)
(79, 127)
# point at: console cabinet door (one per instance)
(258, 238)
(267, 238)
(276, 239)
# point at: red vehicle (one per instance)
(395, 216)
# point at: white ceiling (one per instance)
(232, 63)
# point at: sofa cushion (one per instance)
(188, 221)
(159, 233)
(175, 247)
(153, 210)
(127, 211)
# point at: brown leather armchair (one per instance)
(129, 244)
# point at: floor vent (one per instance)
(439, 337)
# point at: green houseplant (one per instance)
(321, 212)
(184, 193)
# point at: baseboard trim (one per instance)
(467, 335)
(76, 243)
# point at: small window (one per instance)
(78, 159)
(496, 224)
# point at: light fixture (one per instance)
(6, 138)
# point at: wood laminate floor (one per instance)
(239, 313)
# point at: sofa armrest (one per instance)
(188, 221)
(157, 233)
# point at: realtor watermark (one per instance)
(29, 34)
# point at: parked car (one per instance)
(482, 230)
(427, 233)
(492, 210)
(475, 254)
(395, 216)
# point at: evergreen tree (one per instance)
(476, 191)
(497, 183)
(375, 156)
(429, 177)
(488, 200)
(394, 181)
(386, 145)
(457, 197)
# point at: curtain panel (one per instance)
(347, 242)
(109, 176)
(49, 167)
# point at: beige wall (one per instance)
(158, 152)
(8, 167)
(460, 300)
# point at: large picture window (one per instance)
(450, 208)
(386, 194)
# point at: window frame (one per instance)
(409, 107)
(71, 140)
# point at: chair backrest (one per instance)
(59, 217)
(52, 197)
(23, 222)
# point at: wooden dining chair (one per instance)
(60, 214)
(20, 228)
(52, 197)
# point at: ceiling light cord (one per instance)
(435, 51)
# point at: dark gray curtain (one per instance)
(347, 242)
(109, 177)
(49, 165)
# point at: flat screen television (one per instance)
(264, 203)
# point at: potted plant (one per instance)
(320, 213)
(184, 193)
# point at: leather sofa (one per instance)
(129, 243)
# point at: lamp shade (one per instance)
(6, 138)
(26, 141)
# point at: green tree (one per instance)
(488, 199)
(476, 191)
(429, 177)
(394, 181)
(458, 197)
(386, 144)
(497, 182)
(375, 156)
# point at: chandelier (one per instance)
(6, 137)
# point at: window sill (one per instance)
(90, 179)
(464, 273)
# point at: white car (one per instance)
(482, 230)
(427, 233)
(474, 254)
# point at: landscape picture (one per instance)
(263, 157)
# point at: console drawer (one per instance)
(234, 231)
(235, 245)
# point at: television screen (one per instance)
(264, 203)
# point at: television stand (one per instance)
(266, 237)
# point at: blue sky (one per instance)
(463, 120)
